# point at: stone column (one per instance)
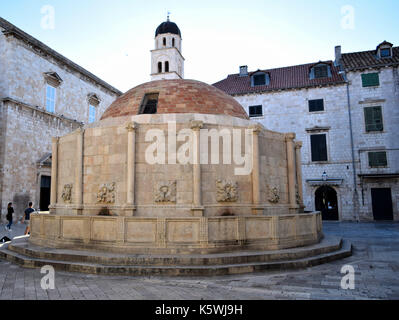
(54, 171)
(291, 166)
(256, 209)
(79, 173)
(131, 168)
(298, 146)
(197, 209)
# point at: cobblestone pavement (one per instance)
(375, 260)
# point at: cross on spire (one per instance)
(168, 15)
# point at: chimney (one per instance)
(243, 71)
(337, 56)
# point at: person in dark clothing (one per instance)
(26, 217)
(10, 211)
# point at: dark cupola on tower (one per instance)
(168, 27)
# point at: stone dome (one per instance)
(175, 96)
(168, 27)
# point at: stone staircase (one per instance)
(21, 252)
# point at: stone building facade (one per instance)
(167, 61)
(42, 95)
(324, 104)
(373, 89)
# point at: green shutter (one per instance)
(373, 119)
(378, 159)
(370, 80)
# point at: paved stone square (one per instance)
(375, 260)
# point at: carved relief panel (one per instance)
(227, 191)
(67, 193)
(274, 195)
(106, 193)
(165, 191)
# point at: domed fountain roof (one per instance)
(175, 96)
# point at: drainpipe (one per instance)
(355, 195)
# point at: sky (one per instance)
(113, 38)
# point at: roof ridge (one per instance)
(286, 67)
(365, 51)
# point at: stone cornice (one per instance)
(168, 49)
(163, 73)
(40, 110)
(317, 129)
(321, 182)
(370, 100)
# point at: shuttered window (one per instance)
(316, 105)
(378, 159)
(255, 111)
(319, 147)
(373, 119)
(321, 72)
(370, 80)
(385, 53)
(259, 80)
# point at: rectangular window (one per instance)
(373, 119)
(50, 98)
(385, 53)
(370, 80)
(319, 147)
(92, 113)
(321, 72)
(149, 104)
(255, 111)
(378, 159)
(259, 80)
(316, 105)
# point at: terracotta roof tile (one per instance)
(294, 77)
(368, 59)
(177, 96)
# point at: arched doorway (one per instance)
(326, 202)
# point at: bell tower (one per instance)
(167, 62)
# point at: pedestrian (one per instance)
(10, 211)
(26, 218)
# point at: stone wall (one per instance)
(288, 111)
(26, 140)
(26, 128)
(273, 170)
(26, 82)
(385, 95)
(106, 166)
(4, 72)
(176, 235)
